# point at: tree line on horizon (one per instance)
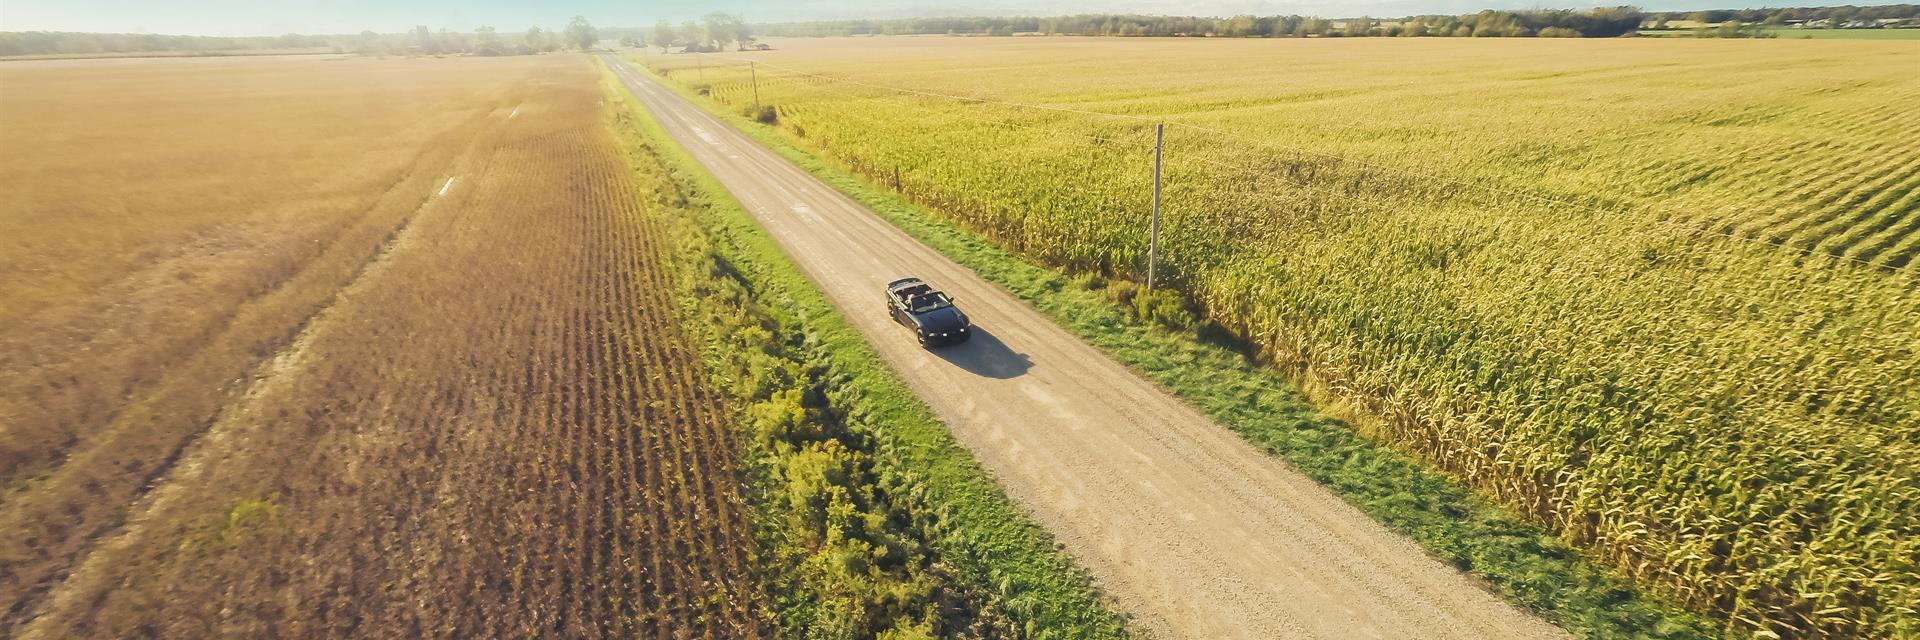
(713, 32)
(716, 30)
(484, 41)
(1599, 22)
(22, 43)
(1832, 14)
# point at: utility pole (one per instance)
(1153, 240)
(755, 73)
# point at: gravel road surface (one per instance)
(1195, 532)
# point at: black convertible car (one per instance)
(929, 313)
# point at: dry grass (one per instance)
(259, 380)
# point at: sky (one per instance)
(275, 17)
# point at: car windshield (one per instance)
(928, 302)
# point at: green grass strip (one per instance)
(1514, 557)
(979, 529)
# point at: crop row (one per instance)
(497, 430)
(151, 285)
(1586, 317)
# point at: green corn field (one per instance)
(1662, 296)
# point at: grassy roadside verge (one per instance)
(873, 522)
(1268, 408)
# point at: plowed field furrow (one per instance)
(1797, 207)
(77, 503)
(1795, 186)
(1858, 211)
(646, 445)
(1882, 246)
(1888, 116)
(493, 432)
(1883, 213)
(1803, 229)
(1901, 255)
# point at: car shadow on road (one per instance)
(986, 356)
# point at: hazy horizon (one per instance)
(243, 18)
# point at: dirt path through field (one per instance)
(1196, 532)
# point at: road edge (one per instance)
(995, 545)
(1508, 555)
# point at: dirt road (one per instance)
(1197, 533)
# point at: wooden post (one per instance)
(1153, 239)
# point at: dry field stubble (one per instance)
(266, 374)
(168, 224)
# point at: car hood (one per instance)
(940, 320)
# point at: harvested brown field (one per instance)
(360, 348)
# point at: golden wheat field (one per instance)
(352, 348)
(1659, 296)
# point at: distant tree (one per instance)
(1701, 18)
(663, 35)
(487, 42)
(423, 40)
(1605, 22)
(1488, 24)
(1239, 26)
(742, 32)
(722, 28)
(451, 42)
(1360, 26)
(537, 39)
(581, 33)
(1282, 26)
(716, 28)
(694, 35)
